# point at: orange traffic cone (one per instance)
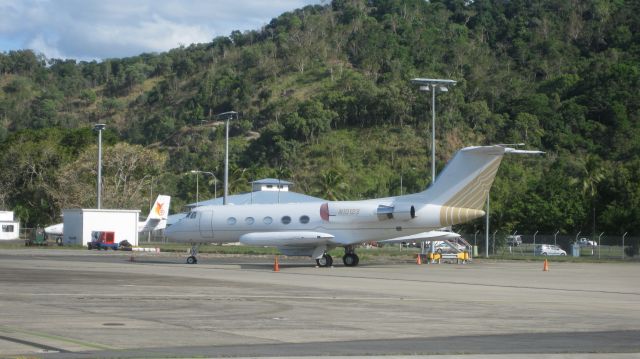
(419, 259)
(276, 266)
(545, 268)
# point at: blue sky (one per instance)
(92, 29)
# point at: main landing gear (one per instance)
(193, 252)
(324, 261)
(350, 258)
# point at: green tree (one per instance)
(591, 175)
(331, 185)
(127, 170)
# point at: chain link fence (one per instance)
(607, 246)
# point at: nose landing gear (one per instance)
(193, 252)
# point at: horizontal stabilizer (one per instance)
(522, 152)
(423, 237)
(285, 238)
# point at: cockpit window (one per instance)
(192, 215)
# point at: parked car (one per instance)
(550, 250)
(514, 241)
(443, 247)
(584, 242)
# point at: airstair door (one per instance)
(206, 224)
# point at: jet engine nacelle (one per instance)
(353, 212)
(404, 212)
(400, 211)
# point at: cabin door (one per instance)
(206, 224)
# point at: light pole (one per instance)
(486, 228)
(433, 85)
(99, 127)
(215, 184)
(226, 116)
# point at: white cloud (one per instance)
(44, 46)
(83, 29)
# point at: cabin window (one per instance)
(231, 221)
(7, 227)
(249, 220)
(286, 220)
(304, 219)
(267, 220)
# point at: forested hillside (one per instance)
(325, 101)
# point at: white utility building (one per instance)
(9, 227)
(117, 225)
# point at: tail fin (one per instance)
(462, 187)
(157, 218)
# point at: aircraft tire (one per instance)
(350, 260)
(192, 260)
(325, 261)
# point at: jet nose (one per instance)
(172, 230)
(179, 231)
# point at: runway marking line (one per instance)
(34, 344)
(34, 333)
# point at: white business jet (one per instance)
(312, 229)
(157, 219)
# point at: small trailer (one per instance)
(105, 240)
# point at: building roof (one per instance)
(273, 181)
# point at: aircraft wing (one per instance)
(55, 230)
(424, 236)
(286, 238)
(150, 225)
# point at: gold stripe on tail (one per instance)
(454, 215)
(467, 203)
